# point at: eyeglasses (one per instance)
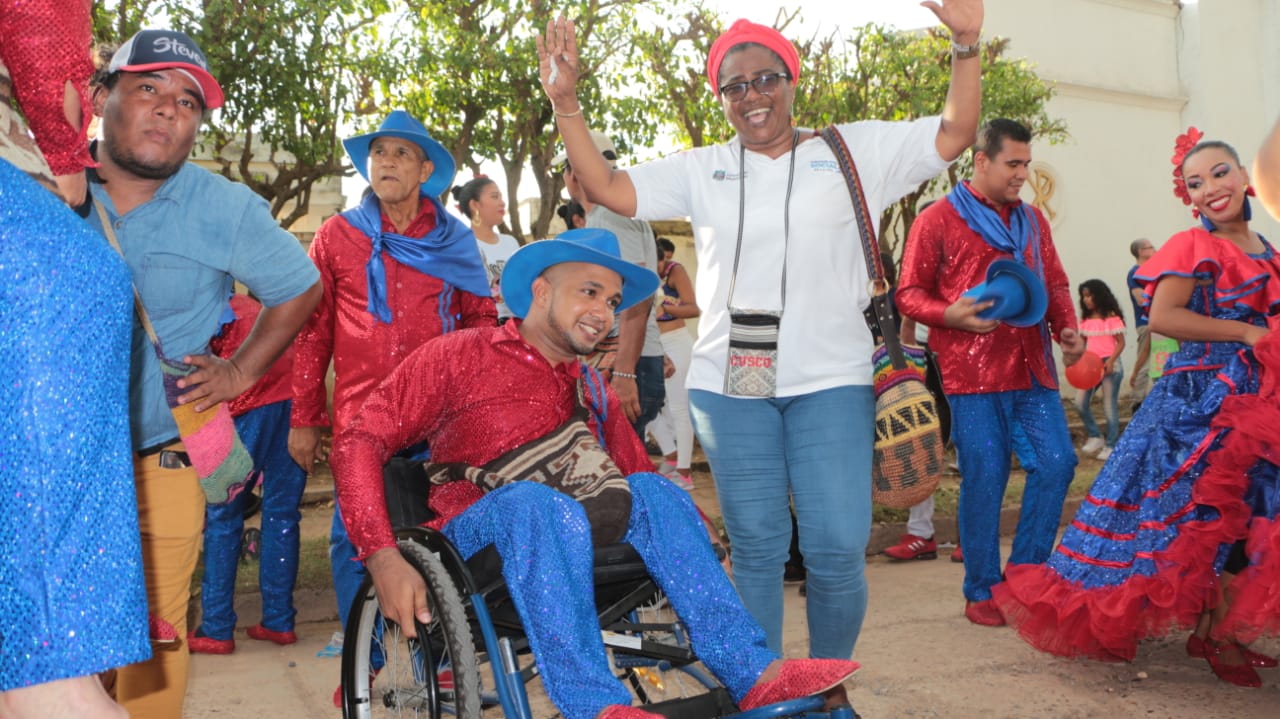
(764, 84)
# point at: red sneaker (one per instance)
(263, 634)
(799, 678)
(957, 556)
(985, 613)
(197, 644)
(160, 631)
(913, 547)
(337, 693)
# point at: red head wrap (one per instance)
(746, 31)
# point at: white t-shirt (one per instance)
(823, 340)
(495, 258)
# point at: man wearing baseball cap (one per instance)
(480, 398)
(187, 236)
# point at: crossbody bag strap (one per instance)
(882, 314)
(137, 298)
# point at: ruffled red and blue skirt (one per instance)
(1194, 473)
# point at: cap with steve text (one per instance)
(168, 50)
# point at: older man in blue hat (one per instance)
(397, 271)
(500, 402)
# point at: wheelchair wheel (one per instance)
(385, 674)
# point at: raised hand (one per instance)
(558, 64)
(962, 17)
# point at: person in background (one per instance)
(996, 376)
(672, 429)
(1266, 172)
(1140, 381)
(397, 271)
(262, 421)
(574, 217)
(480, 201)
(798, 431)
(72, 598)
(1102, 325)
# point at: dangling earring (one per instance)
(1248, 210)
(1207, 223)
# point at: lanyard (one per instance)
(742, 210)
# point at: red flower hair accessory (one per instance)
(1181, 147)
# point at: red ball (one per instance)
(1087, 372)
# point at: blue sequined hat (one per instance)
(401, 125)
(591, 245)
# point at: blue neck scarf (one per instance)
(1022, 232)
(448, 253)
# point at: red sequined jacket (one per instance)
(365, 350)
(943, 259)
(473, 395)
(274, 386)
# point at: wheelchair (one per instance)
(474, 624)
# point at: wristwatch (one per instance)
(964, 52)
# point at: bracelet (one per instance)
(627, 375)
(964, 52)
(575, 113)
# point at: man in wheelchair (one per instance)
(532, 453)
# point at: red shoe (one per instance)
(622, 711)
(913, 547)
(799, 678)
(263, 634)
(985, 613)
(1242, 675)
(957, 556)
(161, 632)
(1198, 648)
(198, 644)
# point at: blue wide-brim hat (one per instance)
(400, 124)
(591, 245)
(1019, 295)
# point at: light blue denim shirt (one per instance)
(185, 247)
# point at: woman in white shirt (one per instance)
(481, 201)
(784, 414)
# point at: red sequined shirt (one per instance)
(473, 395)
(943, 259)
(274, 386)
(364, 349)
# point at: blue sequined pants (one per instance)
(265, 433)
(982, 428)
(545, 543)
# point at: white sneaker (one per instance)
(1093, 445)
(1104, 454)
(683, 482)
(333, 648)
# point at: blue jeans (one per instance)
(1110, 386)
(652, 387)
(813, 451)
(983, 428)
(265, 433)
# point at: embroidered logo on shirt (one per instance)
(824, 166)
(722, 175)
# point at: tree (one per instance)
(475, 83)
(292, 72)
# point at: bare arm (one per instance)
(688, 307)
(558, 67)
(1170, 316)
(964, 96)
(631, 327)
(1266, 172)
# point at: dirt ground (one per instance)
(921, 658)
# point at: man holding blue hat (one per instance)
(981, 270)
(397, 271)
(495, 405)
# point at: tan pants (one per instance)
(171, 518)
